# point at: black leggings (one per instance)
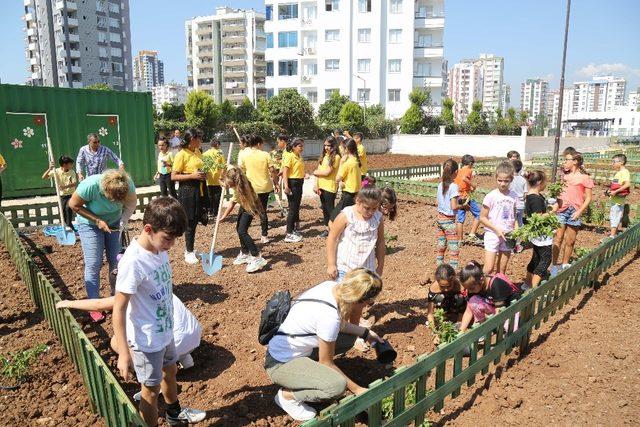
(215, 192)
(66, 210)
(347, 199)
(295, 198)
(264, 220)
(327, 201)
(242, 227)
(190, 234)
(167, 187)
(540, 260)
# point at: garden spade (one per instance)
(63, 235)
(212, 263)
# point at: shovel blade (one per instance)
(66, 237)
(211, 263)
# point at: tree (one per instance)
(351, 117)
(477, 121)
(227, 113)
(291, 111)
(98, 86)
(420, 97)
(446, 116)
(173, 112)
(329, 112)
(201, 111)
(246, 112)
(413, 120)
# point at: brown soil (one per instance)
(53, 394)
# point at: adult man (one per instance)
(92, 158)
(174, 142)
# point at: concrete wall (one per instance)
(313, 148)
(537, 145)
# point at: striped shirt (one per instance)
(356, 248)
(94, 162)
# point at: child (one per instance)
(618, 192)
(163, 173)
(143, 312)
(250, 206)
(68, 181)
(358, 137)
(3, 167)
(575, 198)
(518, 186)
(498, 216)
(444, 293)
(350, 175)
(389, 205)
(214, 189)
(464, 181)
(293, 179)
(326, 185)
(447, 196)
(535, 203)
(277, 155)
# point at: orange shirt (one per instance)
(463, 187)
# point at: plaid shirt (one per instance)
(95, 162)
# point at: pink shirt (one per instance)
(574, 188)
(501, 209)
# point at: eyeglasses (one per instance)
(327, 146)
(568, 159)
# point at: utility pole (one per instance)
(556, 145)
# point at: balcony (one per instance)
(204, 30)
(260, 63)
(204, 41)
(76, 85)
(234, 74)
(32, 46)
(232, 39)
(234, 50)
(432, 21)
(233, 27)
(433, 51)
(76, 69)
(235, 96)
(71, 5)
(427, 81)
(28, 16)
(35, 75)
(307, 80)
(234, 62)
(74, 53)
(33, 61)
(235, 85)
(32, 32)
(27, 2)
(74, 38)
(72, 22)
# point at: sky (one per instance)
(603, 36)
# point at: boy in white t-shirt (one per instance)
(143, 312)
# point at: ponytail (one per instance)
(352, 148)
(580, 162)
(449, 169)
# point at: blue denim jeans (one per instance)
(94, 243)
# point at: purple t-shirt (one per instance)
(501, 209)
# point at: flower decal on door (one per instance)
(16, 143)
(103, 131)
(113, 121)
(38, 120)
(28, 132)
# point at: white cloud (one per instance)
(549, 77)
(617, 69)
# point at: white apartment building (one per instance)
(148, 71)
(493, 80)
(619, 122)
(225, 55)
(374, 52)
(533, 97)
(602, 93)
(633, 101)
(506, 98)
(465, 87)
(566, 106)
(73, 43)
(171, 93)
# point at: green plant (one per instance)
(351, 116)
(413, 120)
(476, 121)
(201, 111)
(579, 252)
(290, 111)
(598, 214)
(388, 238)
(537, 226)
(445, 329)
(329, 111)
(555, 189)
(16, 366)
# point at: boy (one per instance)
(143, 312)
(618, 192)
(512, 156)
(68, 181)
(362, 153)
(464, 180)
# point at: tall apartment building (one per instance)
(148, 70)
(506, 98)
(533, 97)
(493, 80)
(374, 52)
(633, 100)
(76, 43)
(465, 87)
(225, 54)
(566, 106)
(171, 93)
(602, 93)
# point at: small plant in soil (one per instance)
(389, 238)
(537, 226)
(598, 214)
(579, 252)
(409, 400)
(15, 367)
(445, 329)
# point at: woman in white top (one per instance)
(300, 356)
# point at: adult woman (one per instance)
(326, 186)
(187, 170)
(303, 365)
(293, 178)
(103, 204)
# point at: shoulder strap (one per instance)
(309, 300)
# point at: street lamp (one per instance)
(364, 97)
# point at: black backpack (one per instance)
(274, 314)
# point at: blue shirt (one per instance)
(107, 210)
(94, 162)
(444, 200)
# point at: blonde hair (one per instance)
(115, 185)
(244, 192)
(359, 285)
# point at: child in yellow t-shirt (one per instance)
(618, 192)
(165, 164)
(3, 166)
(326, 185)
(67, 182)
(215, 165)
(292, 179)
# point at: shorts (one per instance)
(615, 214)
(148, 366)
(474, 208)
(565, 217)
(492, 243)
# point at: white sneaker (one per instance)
(555, 270)
(188, 415)
(565, 266)
(242, 259)
(257, 263)
(190, 258)
(299, 411)
(186, 361)
(264, 239)
(292, 238)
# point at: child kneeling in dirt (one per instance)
(143, 312)
(444, 293)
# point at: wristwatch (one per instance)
(365, 334)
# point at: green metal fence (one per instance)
(413, 172)
(106, 395)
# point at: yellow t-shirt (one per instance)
(241, 153)
(64, 179)
(165, 160)
(295, 165)
(328, 183)
(255, 164)
(187, 161)
(220, 164)
(362, 153)
(351, 175)
(621, 177)
(2, 161)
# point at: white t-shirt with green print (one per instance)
(147, 278)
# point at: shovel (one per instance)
(63, 235)
(212, 263)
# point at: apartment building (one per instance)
(566, 106)
(493, 81)
(633, 100)
(533, 97)
(506, 98)
(374, 52)
(171, 93)
(76, 43)
(602, 93)
(225, 55)
(465, 87)
(148, 71)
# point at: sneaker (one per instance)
(138, 396)
(299, 411)
(187, 415)
(564, 267)
(190, 258)
(555, 270)
(96, 316)
(186, 361)
(292, 238)
(324, 234)
(257, 263)
(519, 248)
(264, 239)
(606, 239)
(242, 259)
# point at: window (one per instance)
(312, 97)
(311, 69)
(114, 8)
(269, 40)
(329, 92)
(269, 12)
(364, 6)
(288, 39)
(332, 35)
(363, 95)
(100, 6)
(394, 95)
(270, 68)
(114, 22)
(331, 64)
(103, 52)
(425, 40)
(116, 51)
(395, 36)
(396, 6)
(117, 67)
(364, 65)
(115, 37)
(102, 37)
(104, 65)
(364, 35)
(331, 5)
(395, 65)
(288, 11)
(288, 68)
(102, 22)
(269, 93)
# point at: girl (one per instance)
(350, 175)
(326, 185)
(163, 174)
(250, 206)
(447, 195)
(300, 357)
(219, 164)
(575, 198)
(68, 181)
(444, 293)
(187, 170)
(293, 178)
(498, 216)
(389, 205)
(535, 203)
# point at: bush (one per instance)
(268, 131)
(173, 112)
(413, 120)
(377, 127)
(163, 126)
(246, 112)
(290, 111)
(201, 111)
(446, 116)
(351, 117)
(329, 112)
(476, 121)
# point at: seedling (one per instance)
(579, 252)
(555, 189)
(537, 226)
(445, 329)
(388, 238)
(15, 368)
